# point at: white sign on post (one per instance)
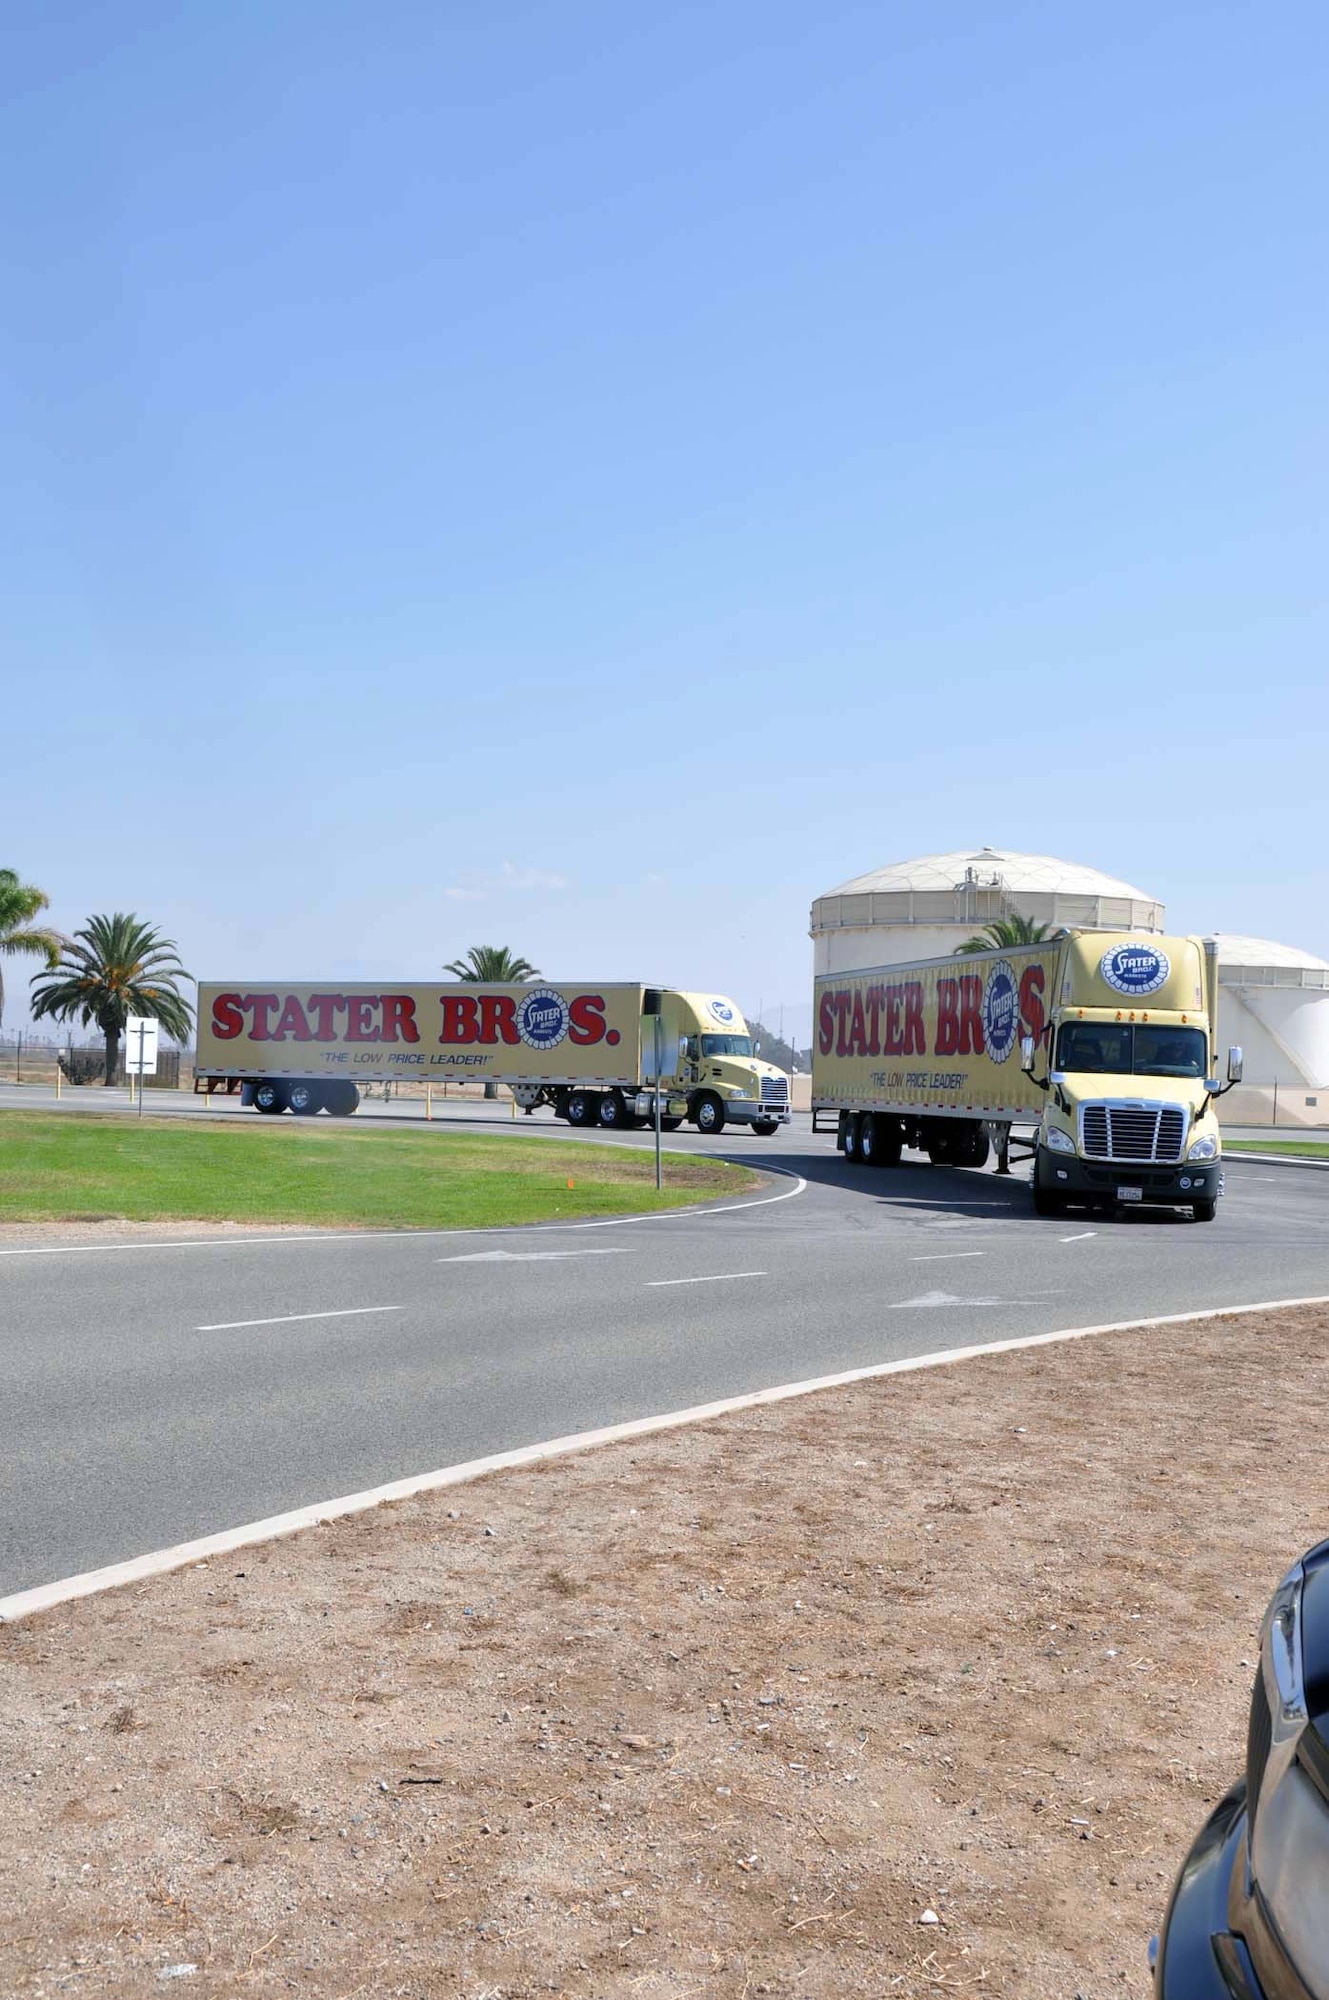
(140, 1046)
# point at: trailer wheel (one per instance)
(581, 1107)
(853, 1136)
(270, 1097)
(709, 1114)
(613, 1111)
(880, 1141)
(1204, 1211)
(340, 1099)
(306, 1099)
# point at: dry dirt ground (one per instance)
(722, 1713)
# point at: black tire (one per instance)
(972, 1147)
(765, 1128)
(670, 1124)
(708, 1114)
(853, 1137)
(869, 1148)
(614, 1115)
(583, 1107)
(1204, 1211)
(1048, 1204)
(270, 1097)
(305, 1099)
(340, 1099)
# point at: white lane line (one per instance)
(947, 1256)
(717, 1278)
(286, 1319)
(1083, 1236)
(381, 1235)
(527, 1256)
(24, 1603)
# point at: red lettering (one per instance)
(586, 1020)
(399, 1018)
(498, 1018)
(292, 1027)
(261, 1005)
(858, 1033)
(360, 1017)
(971, 1015)
(842, 1005)
(461, 1018)
(948, 1017)
(1033, 1018)
(826, 1024)
(875, 995)
(915, 1036)
(894, 1032)
(323, 1006)
(227, 1016)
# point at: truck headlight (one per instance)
(736, 1092)
(1204, 1149)
(1057, 1140)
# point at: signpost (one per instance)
(140, 1052)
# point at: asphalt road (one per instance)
(153, 1394)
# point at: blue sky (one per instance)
(593, 478)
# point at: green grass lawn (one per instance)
(62, 1167)
(1314, 1149)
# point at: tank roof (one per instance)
(991, 867)
(1236, 950)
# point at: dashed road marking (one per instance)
(1083, 1236)
(946, 1256)
(286, 1319)
(715, 1278)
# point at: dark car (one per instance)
(1249, 1917)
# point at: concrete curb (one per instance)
(1280, 1160)
(184, 1555)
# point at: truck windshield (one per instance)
(726, 1045)
(1116, 1048)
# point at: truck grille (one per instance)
(774, 1090)
(1133, 1132)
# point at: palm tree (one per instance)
(493, 965)
(19, 904)
(1005, 934)
(114, 967)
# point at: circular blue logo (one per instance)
(722, 1011)
(1135, 969)
(542, 1018)
(1000, 1013)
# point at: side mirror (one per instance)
(756, 1048)
(1234, 1064)
(1027, 1047)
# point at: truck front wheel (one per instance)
(270, 1097)
(766, 1128)
(709, 1113)
(1204, 1211)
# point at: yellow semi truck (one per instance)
(586, 1051)
(1100, 1046)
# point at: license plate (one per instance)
(1130, 1194)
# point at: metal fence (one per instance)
(25, 1059)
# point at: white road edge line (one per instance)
(946, 1256)
(25, 1603)
(286, 1319)
(715, 1278)
(379, 1235)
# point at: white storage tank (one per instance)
(924, 908)
(1273, 1003)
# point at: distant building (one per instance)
(924, 908)
(1273, 1003)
